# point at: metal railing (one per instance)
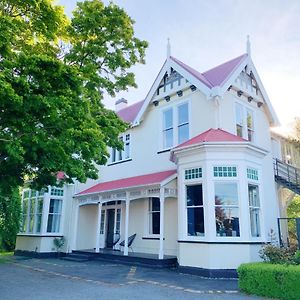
(286, 173)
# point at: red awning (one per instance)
(142, 180)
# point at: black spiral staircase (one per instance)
(287, 176)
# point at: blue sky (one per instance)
(206, 33)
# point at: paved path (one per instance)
(56, 279)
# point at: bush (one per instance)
(270, 280)
(276, 255)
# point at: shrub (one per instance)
(270, 280)
(276, 255)
(297, 257)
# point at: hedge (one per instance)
(270, 280)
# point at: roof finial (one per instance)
(248, 45)
(168, 48)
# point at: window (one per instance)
(254, 207)
(102, 221)
(118, 221)
(175, 126)
(154, 215)
(25, 213)
(32, 209)
(54, 216)
(183, 123)
(127, 146)
(57, 192)
(239, 119)
(227, 210)
(195, 210)
(193, 173)
(244, 122)
(168, 128)
(250, 130)
(252, 174)
(39, 213)
(226, 171)
(119, 155)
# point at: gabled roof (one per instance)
(219, 75)
(193, 72)
(212, 82)
(129, 113)
(212, 135)
(130, 182)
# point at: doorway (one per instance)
(110, 228)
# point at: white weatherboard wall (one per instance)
(87, 225)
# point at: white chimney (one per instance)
(120, 104)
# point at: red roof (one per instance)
(212, 135)
(194, 72)
(129, 113)
(148, 179)
(218, 75)
(211, 78)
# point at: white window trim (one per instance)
(255, 183)
(245, 108)
(192, 182)
(112, 150)
(237, 182)
(175, 124)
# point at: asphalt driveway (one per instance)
(57, 279)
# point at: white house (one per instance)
(195, 179)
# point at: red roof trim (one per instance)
(142, 180)
(212, 135)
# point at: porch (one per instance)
(133, 258)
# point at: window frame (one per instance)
(175, 124)
(117, 156)
(190, 183)
(151, 212)
(55, 214)
(166, 129)
(237, 206)
(254, 207)
(247, 133)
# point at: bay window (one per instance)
(195, 210)
(54, 216)
(227, 209)
(239, 119)
(254, 210)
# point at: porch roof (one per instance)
(142, 180)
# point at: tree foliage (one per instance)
(54, 73)
(10, 208)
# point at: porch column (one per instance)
(161, 223)
(75, 231)
(98, 227)
(126, 225)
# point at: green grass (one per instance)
(5, 256)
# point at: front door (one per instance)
(110, 228)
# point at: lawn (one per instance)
(4, 256)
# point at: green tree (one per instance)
(10, 207)
(54, 73)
